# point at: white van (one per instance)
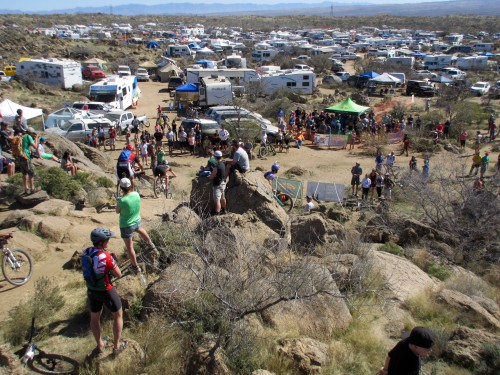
(453, 73)
(212, 110)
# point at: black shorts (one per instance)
(101, 139)
(157, 173)
(109, 298)
(355, 180)
(223, 143)
(124, 169)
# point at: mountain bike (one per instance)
(45, 363)
(137, 176)
(16, 263)
(267, 149)
(284, 200)
(159, 187)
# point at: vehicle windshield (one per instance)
(112, 116)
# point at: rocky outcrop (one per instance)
(207, 362)
(184, 216)
(31, 200)
(97, 157)
(308, 354)
(403, 278)
(54, 228)
(466, 304)
(131, 359)
(14, 218)
(54, 207)
(466, 346)
(262, 372)
(315, 229)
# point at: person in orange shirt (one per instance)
(299, 138)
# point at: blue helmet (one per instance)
(275, 167)
(100, 235)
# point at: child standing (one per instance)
(144, 152)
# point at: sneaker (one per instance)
(223, 211)
(121, 348)
(135, 269)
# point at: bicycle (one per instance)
(137, 175)
(16, 263)
(267, 149)
(284, 200)
(282, 146)
(45, 363)
(159, 187)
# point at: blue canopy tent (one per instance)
(489, 54)
(194, 46)
(370, 74)
(419, 54)
(186, 93)
(188, 87)
(153, 44)
(206, 63)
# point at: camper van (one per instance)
(436, 62)
(237, 77)
(178, 51)
(472, 62)
(406, 62)
(215, 90)
(118, 92)
(62, 73)
(483, 47)
(303, 82)
(264, 55)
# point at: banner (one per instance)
(291, 187)
(395, 137)
(330, 140)
(326, 192)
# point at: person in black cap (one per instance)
(404, 358)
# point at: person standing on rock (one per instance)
(218, 177)
(129, 208)
(404, 358)
(356, 171)
(102, 292)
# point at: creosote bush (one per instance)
(392, 248)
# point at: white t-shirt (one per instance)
(263, 138)
(223, 135)
(308, 207)
(366, 183)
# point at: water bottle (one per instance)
(30, 353)
(142, 280)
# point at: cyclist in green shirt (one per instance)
(129, 208)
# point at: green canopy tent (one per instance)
(348, 106)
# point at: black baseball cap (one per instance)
(422, 337)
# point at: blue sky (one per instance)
(37, 5)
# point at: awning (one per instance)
(348, 106)
(8, 109)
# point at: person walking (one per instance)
(356, 172)
(365, 185)
(485, 160)
(129, 208)
(100, 291)
(404, 358)
(463, 138)
(218, 177)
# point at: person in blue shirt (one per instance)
(271, 175)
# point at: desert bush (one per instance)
(58, 184)
(428, 312)
(104, 182)
(392, 248)
(490, 360)
(420, 144)
(437, 270)
(42, 303)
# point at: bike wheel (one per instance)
(280, 147)
(17, 267)
(53, 364)
(157, 186)
(168, 192)
(262, 151)
(272, 150)
(287, 201)
(146, 123)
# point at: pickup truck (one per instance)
(92, 72)
(80, 129)
(122, 119)
(4, 77)
(124, 70)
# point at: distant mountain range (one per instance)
(438, 8)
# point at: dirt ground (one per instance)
(323, 165)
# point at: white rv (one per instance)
(63, 73)
(303, 82)
(406, 62)
(215, 91)
(118, 92)
(237, 77)
(483, 47)
(260, 55)
(472, 62)
(178, 51)
(436, 62)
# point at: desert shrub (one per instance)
(425, 145)
(392, 248)
(428, 312)
(470, 286)
(104, 182)
(83, 178)
(15, 185)
(172, 237)
(42, 303)
(490, 360)
(58, 184)
(438, 271)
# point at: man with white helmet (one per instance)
(218, 176)
(161, 170)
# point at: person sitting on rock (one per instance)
(240, 162)
(42, 154)
(309, 205)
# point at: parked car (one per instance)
(122, 119)
(4, 77)
(453, 73)
(80, 129)
(208, 127)
(424, 74)
(124, 70)
(302, 58)
(344, 76)
(420, 88)
(480, 88)
(92, 72)
(97, 107)
(331, 79)
(142, 74)
(302, 67)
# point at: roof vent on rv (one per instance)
(214, 76)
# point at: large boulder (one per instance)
(97, 157)
(205, 361)
(131, 360)
(101, 197)
(315, 229)
(403, 278)
(466, 346)
(308, 354)
(326, 313)
(466, 304)
(54, 207)
(184, 216)
(59, 145)
(29, 241)
(54, 228)
(249, 191)
(14, 218)
(31, 200)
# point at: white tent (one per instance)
(8, 109)
(386, 78)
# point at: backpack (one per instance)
(88, 271)
(17, 147)
(124, 155)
